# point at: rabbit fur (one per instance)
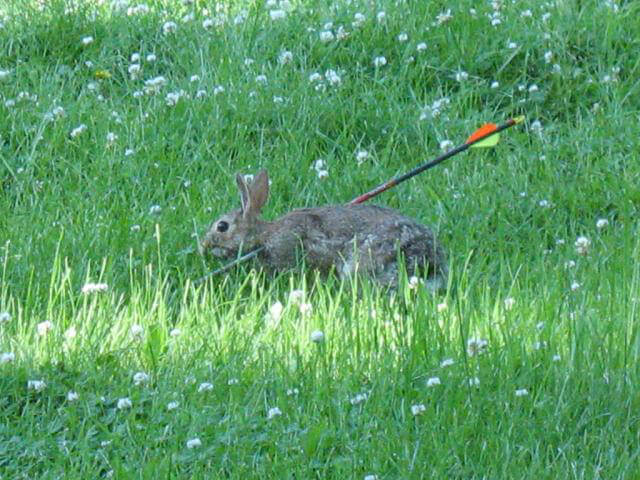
(347, 238)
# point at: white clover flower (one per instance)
(9, 103)
(155, 209)
(403, 37)
(447, 362)
(476, 346)
(172, 98)
(153, 85)
(111, 137)
(495, 84)
(201, 93)
(273, 412)
(461, 76)
(358, 20)
(205, 387)
(418, 409)
(135, 58)
(602, 223)
(72, 396)
(441, 307)
(172, 405)
(36, 385)
(218, 89)
(359, 398)
(87, 40)
(509, 302)
(473, 381)
(575, 286)
(546, 16)
(433, 381)
(332, 77)
(233, 381)
(292, 392)
(194, 443)
(522, 392)
(536, 126)
(305, 308)
(175, 332)
(533, 88)
(285, 57)
(194, 78)
(526, 14)
(261, 79)
(548, 56)
(381, 16)
(169, 27)
(275, 312)
(582, 245)
(370, 477)
(317, 336)
(422, 46)
(361, 156)
(128, 152)
(4, 317)
(139, 9)
(7, 357)
(134, 70)
(379, 61)
(315, 77)
(277, 14)
(78, 130)
(446, 145)
(151, 58)
(414, 282)
(556, 358)
(58, 112)
(4, 74)
(326, 36)
(444, 17)
(44, 327)
(140, 378)
(70, 333)
(569, 264)
(136, 330)
(544, 203)
(512, 45)
(540, 345)
(135, 228)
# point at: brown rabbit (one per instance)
(347, 238)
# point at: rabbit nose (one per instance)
(203, 246)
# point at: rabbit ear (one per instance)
(244, 193)
(259, 192)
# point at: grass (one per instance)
(552, 395)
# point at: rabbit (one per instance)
(349, 238)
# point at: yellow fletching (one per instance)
(491, 141)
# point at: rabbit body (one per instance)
(348, 238)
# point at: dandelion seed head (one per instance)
(582, 245)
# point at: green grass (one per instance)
(78, 210)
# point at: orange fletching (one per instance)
(482, 131)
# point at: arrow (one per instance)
(485, 136)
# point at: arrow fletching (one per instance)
(483, 131)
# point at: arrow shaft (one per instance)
(426, 166)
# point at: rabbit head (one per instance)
(239, 230)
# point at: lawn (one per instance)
(122, 125)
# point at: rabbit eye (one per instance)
(222, 226)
